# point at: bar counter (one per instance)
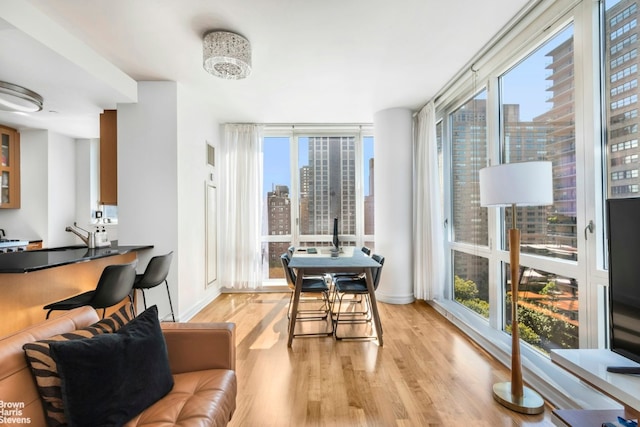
(29, 280)
(28, 261)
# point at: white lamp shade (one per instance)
(520, 184)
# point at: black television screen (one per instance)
(623, 227)
(335, 233)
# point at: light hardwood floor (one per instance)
(426, 374)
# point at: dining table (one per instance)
(323, 261)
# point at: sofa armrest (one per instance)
(200, 346)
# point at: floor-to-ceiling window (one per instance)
(468, 124)
(311, 177)
(536, 95)
(537, 112)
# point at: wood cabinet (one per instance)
(10, 168)
(109, 157)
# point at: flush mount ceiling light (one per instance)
(226, 55)
(19, 99)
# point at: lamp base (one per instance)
(530, 403)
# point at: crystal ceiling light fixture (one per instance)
(226, 55)
(16, 98)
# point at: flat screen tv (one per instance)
(335, 242)
(623, 227)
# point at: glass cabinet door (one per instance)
(9, 169)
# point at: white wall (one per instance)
(47, 178)
(161, 175)
(196, 127)
(393, 206)
(61, 161)
(87, 156)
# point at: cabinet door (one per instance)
(9, 168)
(109, 157)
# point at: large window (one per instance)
(310, 178)
(468, 126)
(538, 123)
(276, 189)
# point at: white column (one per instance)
(393, 203)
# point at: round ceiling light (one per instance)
(226, 55)
(16, 98)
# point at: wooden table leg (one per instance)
(294, 306)
(374, 304)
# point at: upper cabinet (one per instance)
(10, 169)
(109, 157)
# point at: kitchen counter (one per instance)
(28, 261)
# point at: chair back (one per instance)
(156, 272)
(376, 275)
(290, 250)
(115, 284)
(366, 250)
(288, 272)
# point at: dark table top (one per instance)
(349, 258)
(27, 261)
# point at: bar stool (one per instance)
(114, 285)
(155, 273)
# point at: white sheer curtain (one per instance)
(240, 207)
(428, 245)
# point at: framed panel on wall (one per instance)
(211, 234)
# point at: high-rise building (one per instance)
(559, 121)
(328, 186)
(369, 204)
(278, 223)
(621, 86)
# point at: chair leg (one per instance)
(170, 304)
(144, 299)
(48, 313)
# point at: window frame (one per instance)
(294, 132)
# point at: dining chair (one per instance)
(319, 295)
(354, 286)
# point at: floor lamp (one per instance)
(516, 184)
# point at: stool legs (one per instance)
(170, 304)
(144, 300)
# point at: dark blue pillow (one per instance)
(110, 378)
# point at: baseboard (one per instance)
(188, 315)
(394, 298)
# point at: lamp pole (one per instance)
(515, 395)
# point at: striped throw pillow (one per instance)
(45, 370)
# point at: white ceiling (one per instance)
(329, 61)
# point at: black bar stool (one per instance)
(155, 273)
(114, 285)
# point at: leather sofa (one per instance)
(201, 357)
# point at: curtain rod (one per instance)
(491, 44)
(304, 125)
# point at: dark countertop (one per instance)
(24, 262)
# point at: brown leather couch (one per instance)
(201, 355)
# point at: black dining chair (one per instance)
(155, 274)
(114, 285)
(310, 285)
(354, 286)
